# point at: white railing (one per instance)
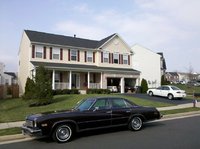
(95, 85)
(61, 85)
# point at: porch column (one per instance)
(122, 85)
(88, 80)
(70, 79)
(101, 80)
(53, 80)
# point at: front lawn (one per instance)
(18, 109)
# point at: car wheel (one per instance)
(136, 123)
(62, 133)
(150, 93)
(170, 96)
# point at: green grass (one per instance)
(18, 109)
(188, 89)
(10, 131)
(179, 111)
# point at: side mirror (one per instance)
(96, 108)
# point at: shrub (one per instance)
(144, 86)
(65, 91)
(98, 91)
(29, 89)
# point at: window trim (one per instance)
(116, 57)
(125, 58)
(89, 55)
(55, 51)
(105, 53)
(39, 49)
(72, 55)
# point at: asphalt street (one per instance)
(171, 134)
(161, 99)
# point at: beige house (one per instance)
(76, 62)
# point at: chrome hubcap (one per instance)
(136, 123)
(63, 133)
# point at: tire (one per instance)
(136, 123)
(150, 93)
(62, 133)
(170, 96)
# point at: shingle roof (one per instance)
(11, 74)
(48, 38)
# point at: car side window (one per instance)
(101, 104)
(118, 103)
(166, 88)
(159, 88)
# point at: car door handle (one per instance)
(109, 112)
(128, 111)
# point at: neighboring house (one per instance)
(162, 64)
(76, 62)
(7, 78)
(148, 63)
(172, 77)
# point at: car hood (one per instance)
(47, 114)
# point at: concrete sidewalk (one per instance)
(182, 106)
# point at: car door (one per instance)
(165, 91)
(99, 115)
(120, 111)
(158, 91)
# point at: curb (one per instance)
(165, 117)
(12, 137)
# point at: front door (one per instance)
(76, 80)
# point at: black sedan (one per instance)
(89, 114)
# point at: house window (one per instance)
(39, 52)
(105, 57)
(56, 53)
(89, 56)
(57, 77)
(73, 55)
(116, 58)
(125, 59)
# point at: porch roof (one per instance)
(84, 68)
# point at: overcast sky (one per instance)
(168, 26)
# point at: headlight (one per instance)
(35, 123)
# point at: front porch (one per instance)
(73, 79)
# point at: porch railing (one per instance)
(95, 85)
(61, 85)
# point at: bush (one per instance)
(98, 91)
(65, 91)
(40, 90)
(29, 89)
(144, 86)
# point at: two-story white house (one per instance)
(149, 63)
(76, 62)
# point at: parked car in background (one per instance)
(113, 88)
(193, 83)
(90, 114)
(168, 91)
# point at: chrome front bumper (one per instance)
(31, 131)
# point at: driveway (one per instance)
(161, 99)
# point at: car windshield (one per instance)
(175, 88)
(84, 104)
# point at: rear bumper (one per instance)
(31, 131)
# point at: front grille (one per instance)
(29, 123)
